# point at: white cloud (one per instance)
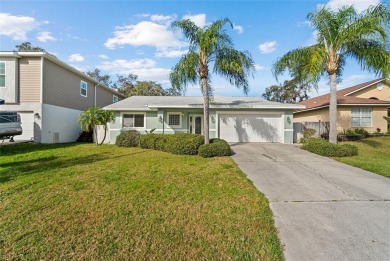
(103, 56)
(259, 67)
(145, 69)
(238, 28)
(170, 53)
(76, 57)
(17, 27)
(199, 19)
(162, 18)
(359, 5)
(144, 33)
(45, 36)
(267, 47)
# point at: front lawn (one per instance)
(374, 155)
(80, 201)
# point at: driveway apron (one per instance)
(323, 209)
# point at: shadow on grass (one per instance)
(371, 143)
(48, 165)
(22, 148)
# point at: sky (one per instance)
(122, 37)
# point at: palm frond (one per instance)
(235, 66)
(189, 29)
(185, 71)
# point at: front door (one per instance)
(196, 124)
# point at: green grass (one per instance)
(80, 201)
(374, 155)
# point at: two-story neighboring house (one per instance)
(49, 95)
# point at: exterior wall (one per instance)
(30, 79)
(10, 93)
(61, 87)
(344, 118)
(154, 119)
(104, 97)
(373, 91)
(62, 120)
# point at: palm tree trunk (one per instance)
(206, 106)
(333, 109)
(95, 132)
(105, 133)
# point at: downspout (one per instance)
(163, 122)
(94, 102)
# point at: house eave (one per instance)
(369, 85)
(345, 104)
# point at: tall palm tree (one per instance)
(341, 35)
(210, 46)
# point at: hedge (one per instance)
(128, 139)
(216, 148)
(324, 148)
(179, 143)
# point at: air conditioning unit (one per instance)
(56, 137)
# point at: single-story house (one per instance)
(235, 119)
(359, 106)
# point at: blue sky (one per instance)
(122, 37)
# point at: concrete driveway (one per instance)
(323, 209)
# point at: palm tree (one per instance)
(89, 120)
(105, 117)
(210, 46)
(341, 35)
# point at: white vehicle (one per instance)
(10, 125)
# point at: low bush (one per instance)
(307, 133)
(128, 139)
(361, 131)
(216, 148)
(324, 148)
(180, 143)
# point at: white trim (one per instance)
(288, 129)
(362, 88)
(345, 104)
(292, 107)
(180, 117)
(193, 115)
(86, 88)
(5, 73)
(135, 128)
(41, 94)
(144, 109)
(94, 99)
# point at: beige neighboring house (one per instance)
(359, 106)
(48, 95)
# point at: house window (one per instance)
(174, 120)
(361, 117)
(115, 98)
(2, 74)
(134, 120)
(83, 88)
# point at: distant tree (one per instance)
(28, 47)
(210, 46)
(292, 91)
(151, 88)
(342, 35)
(125, 84)
(96, 75)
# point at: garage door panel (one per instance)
(27, 122)
(250, 128)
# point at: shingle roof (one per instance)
(221, 102)
(343, 98)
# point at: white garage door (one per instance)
(27, 120)
(250, 128)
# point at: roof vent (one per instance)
(379, 86)
(56, 137)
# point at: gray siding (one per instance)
(30, 79)
(61, 87)
(104, 97)
(10, 93)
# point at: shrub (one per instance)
(361, 131)
(216, 148)
(307, 133)
(180, 143)
(324, 148)
(128, 139)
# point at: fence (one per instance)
(320, 127)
